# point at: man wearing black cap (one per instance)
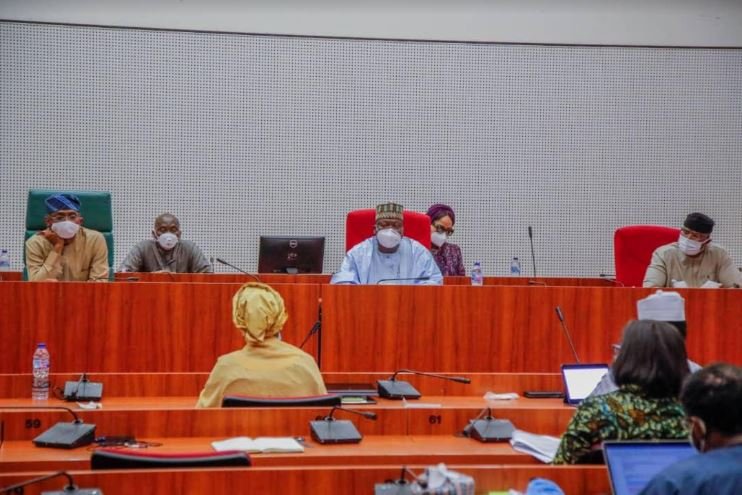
(65, 250)
(693, 261)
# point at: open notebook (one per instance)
(262, 445)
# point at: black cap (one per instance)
(699, 222)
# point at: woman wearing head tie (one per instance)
(446, 255)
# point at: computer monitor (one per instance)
(633, 464)
(281, 254)
(580, 380)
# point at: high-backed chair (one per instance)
(359, 226)
(110, 458)
(310, 401)
(95, 209)
(633, 246)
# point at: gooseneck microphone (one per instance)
(331, 430)
(316, 330)
(533, 254)
(397, 389)
(383, 281)
(83, 389)
(69, 488)
(62, 435)
(611, 278)
(219, 260)
(566, 332)
(366, 414)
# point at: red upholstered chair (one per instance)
(359, 226)
(633, 246)
(109, 458)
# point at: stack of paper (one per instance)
(542, 447)
(263, 444)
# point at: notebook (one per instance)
(263, 445)
(632, 464)
(580, 380)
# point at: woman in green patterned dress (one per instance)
(649, 371)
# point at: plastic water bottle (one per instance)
(40, 387)
(477, 279)
(515, 267)
(4, 260)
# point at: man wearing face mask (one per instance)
(66, 251)
(166, 251)
(388, 256)
(693, 261)
(712, 399)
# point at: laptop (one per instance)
(633, 464)
(580, 380)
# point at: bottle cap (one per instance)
(41, 344)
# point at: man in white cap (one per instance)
(388, 256)
(660, 306)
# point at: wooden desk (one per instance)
(133, 327)
(504, 328)
(11, 276)
(584, 480)
(148, 417)
(165, 327)
(17, 386)
(373, 450)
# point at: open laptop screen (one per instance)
(580, 380)
(632, 465)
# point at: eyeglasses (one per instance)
(61, 217)
(693, 235)
(443, 230)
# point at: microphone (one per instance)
(331, 430)
(83, 389)
(62, 435)
(395, 389)
(219, 260)
(410, 279)
(69, 489)
(485, 428)
(612, 279)
(566, 332)
(316, 329)
(533, 255)
(537, 282)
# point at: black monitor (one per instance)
(280, 254)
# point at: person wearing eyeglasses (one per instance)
(65, 250)
(649, 372)
(693, 261)
(446, 255)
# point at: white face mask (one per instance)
(389, 238)
(167, 241)
(438, 238)
(689, 246)
(65, 229)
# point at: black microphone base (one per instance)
(66, 436)
(74, 391)
(393, 488)
(491, 430)
(334, 431)
(395, 389)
